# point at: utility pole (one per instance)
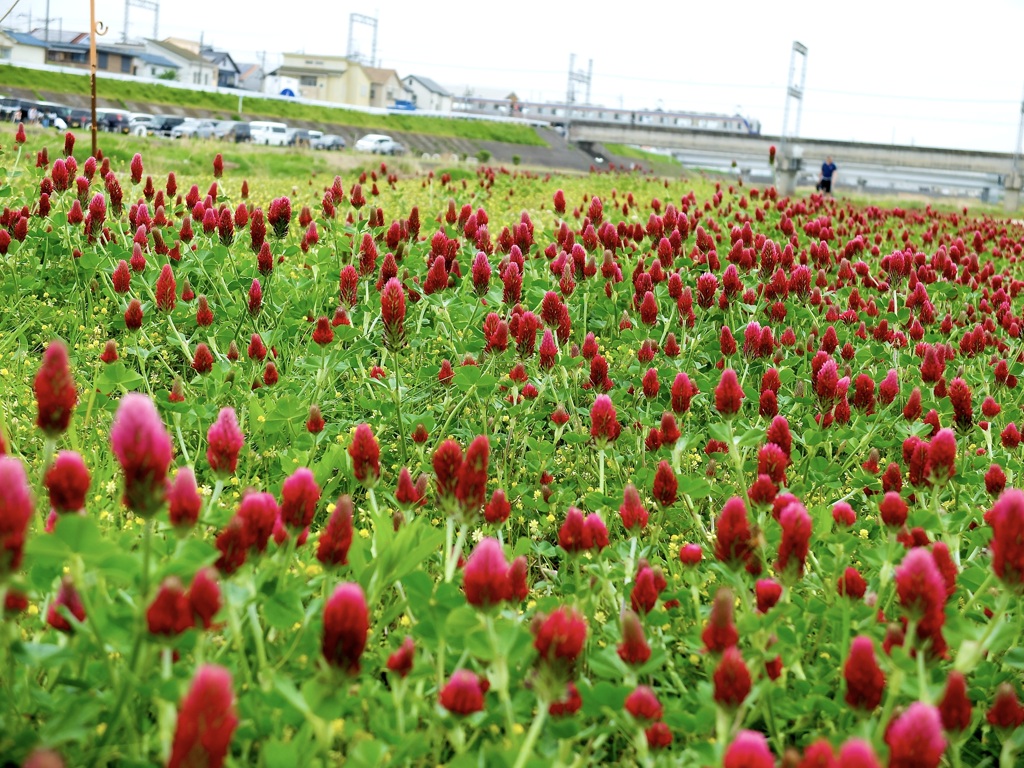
(95, 29)
(46, 24)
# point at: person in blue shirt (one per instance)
(828, 168)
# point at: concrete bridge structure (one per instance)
(790, 154)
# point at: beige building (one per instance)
(327, 78)
(385, 87)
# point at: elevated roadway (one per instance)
(975, 168)
(668, 137)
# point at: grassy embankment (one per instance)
(635, 153)
(121, 92)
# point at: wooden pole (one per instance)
(95, 29)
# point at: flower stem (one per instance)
(147, 553)
(980, 590)
(236, 631)
(398, 694)
(49, 449)
(257, 636)
(501, 675)
(449, 542)
(922, 679)
(218, 488)
(176, 418)
(532, 735)
(631, 559)
(114, 719)
(737, 461)
(396, 392)
(5, 638)
(954, 754)
(375, 511)
(453, 555)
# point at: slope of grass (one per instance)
(635, 153)
(254, 106)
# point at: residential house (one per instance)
(152, 65)
(21, 48)
(426, 94)
(192, 68)
(224, 72)
(227, 70)
(251, 77)
(58, 35)
(385, 87)
(326, 78)
(73, 51)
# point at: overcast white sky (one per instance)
(886, 71)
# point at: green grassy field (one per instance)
(195, 156)
(635, 153)
(227, 103)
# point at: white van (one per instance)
(268, 133)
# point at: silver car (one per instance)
(193, 128)
(379, 144)
(329, 141)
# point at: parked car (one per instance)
(9, 106)
(330, 141)
(238, 133)
(161, 125)
(269, 133)
(379, 144)
(141, 125)
(223, 127)
(78, 118)
(301, 137)
(113, 120)
(193, 128)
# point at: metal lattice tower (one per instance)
(353, 53)
(149, 5)
(795, 90)
(1020, 139)
(578, 77)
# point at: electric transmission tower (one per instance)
(1020, 139)
(578, 77)
(354, 52)
(795, 90)
(148, 5)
